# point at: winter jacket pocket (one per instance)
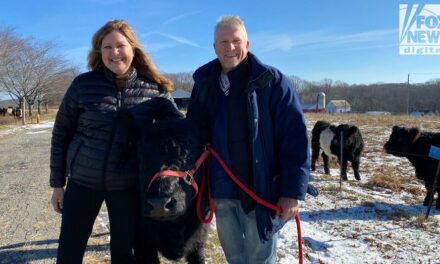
(72, 153)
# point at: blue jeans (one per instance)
(238, 235)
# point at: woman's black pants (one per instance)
(80, 208)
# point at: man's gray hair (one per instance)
(229, 20)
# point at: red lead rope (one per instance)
(249, 192)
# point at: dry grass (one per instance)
(101, 254)
(385, 177)
(430, 223)
(331, 188)
(425, 122)
(399, 215)
(415, 190)
(213, 251)
(9, 121)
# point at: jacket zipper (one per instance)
(112, 135)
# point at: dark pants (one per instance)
(80, 208)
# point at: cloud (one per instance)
(180, 40)
(269, 41)
(158, 46)
(179, 17)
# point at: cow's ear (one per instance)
(352, 130)
(395, 128)
(414, 133)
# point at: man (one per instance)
(250, 114)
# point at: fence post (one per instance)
(341, 156)
(435, 154)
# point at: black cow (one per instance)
(415, 145)
(3, 111)
(327, 137)
(170, 224)
(16, 112)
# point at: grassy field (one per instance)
(380, 176)
(425, 122)
(9, 121)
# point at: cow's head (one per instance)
(167, 145)
(349, 134)
(401, 140)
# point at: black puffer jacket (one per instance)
(94, 135)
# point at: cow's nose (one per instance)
(163, 205)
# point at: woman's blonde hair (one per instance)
(141, 60)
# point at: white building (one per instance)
(338, 106)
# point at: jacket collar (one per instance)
(260, 74)
(129, 78)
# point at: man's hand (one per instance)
(289, 207)
(57, 199)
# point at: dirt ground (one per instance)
(29, 227)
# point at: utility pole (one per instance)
(407, 97)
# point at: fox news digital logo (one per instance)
(419, 29)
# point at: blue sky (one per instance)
(352, 41)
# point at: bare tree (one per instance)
(28, 69)
(9, 45)
(54, 90)
(181, 80)
(297, 83)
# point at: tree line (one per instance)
(396, 98)
(34, 75)
(31, 72)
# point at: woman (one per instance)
(92, 141)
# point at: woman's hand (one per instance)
(57, 199)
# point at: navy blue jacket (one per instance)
(277, 132)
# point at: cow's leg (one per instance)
(437, 190)
(344, 165)
(355, 165)
(428, 187)
(325, 159)
(315, 155)
(196, 257)
(437, 205)
(427, 197)
(147, 255)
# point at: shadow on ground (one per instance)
(25, 252)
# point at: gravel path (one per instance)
(29, 227)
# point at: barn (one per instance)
(312, 108)
(338, 106)
(319, 107)
(181, 98)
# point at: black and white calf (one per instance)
(328, 138)
(414, 145)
